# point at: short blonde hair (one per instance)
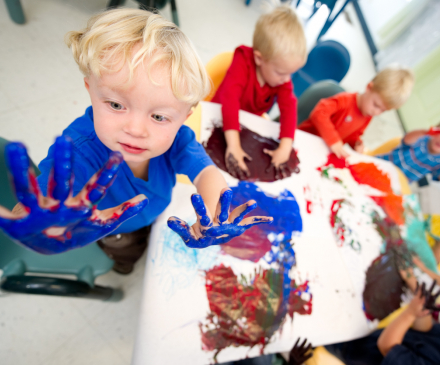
(394, 85)
(279, 33)
(110, 37)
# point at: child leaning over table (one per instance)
(343, 117)
(418, 154)
(143, 77)
(258, 77)
(411, 338)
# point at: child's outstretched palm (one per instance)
(225, 226)
(60, 222)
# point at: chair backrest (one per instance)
(314, 93)
(217, 68)
(328, 60)
(86, 263)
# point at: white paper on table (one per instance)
(175, 300)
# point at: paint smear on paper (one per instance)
(253, 244)
(384, 286)
(247, 311)
(253, 144)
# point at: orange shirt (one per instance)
(337, 118)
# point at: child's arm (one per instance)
(215, 224)
(209, 183)
(414, 314)
(229, 95)
(60, 222)
(414, 136)
(288, 118)
(320, 117)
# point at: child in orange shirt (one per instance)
(343, 118)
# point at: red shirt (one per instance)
(240, 89)
(337, 118)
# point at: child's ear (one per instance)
(190, 112)
(86, 83)
(370, 86)
(258, 57)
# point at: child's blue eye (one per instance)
(115, 106)
(158, 118)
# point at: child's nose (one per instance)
(136, 127)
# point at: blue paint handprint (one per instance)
(207, 232)
(60, 222)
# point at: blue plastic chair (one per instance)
(328, 60)
(17, 262)
(308, 100)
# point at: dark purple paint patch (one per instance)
(253, 144)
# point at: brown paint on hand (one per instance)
(253, 144)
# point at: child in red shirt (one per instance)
(258, 76)
(343, 118)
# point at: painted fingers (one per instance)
(23, 176)
(62, 173)
(282, 171)
(300, 353)
(234, 168)
(104, 178)
(429, 295)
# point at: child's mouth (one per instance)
(132, 149)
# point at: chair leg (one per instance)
(15, 11)
(329, 22)
(174, 12)
(115, 3)
(60, 287)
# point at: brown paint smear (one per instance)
(253, 144)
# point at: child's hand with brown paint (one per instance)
(282, 154)
(235, 156)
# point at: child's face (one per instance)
(138, 119)
(434, 144)
(370, 102)
(278, 70)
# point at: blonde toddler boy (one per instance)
(143, 77)
(258, 77)
(343, 118)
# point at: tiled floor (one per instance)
(41, 92)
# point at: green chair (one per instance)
(315, 92)
(17, 261)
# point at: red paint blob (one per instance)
(252, 245)
(309, 205)
(247, 312)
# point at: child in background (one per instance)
(143, 77)
(412, 338)
(418, 154)
(260, 75)
(343, 118)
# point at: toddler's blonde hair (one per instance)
(279, 33)
(394, 85)
(110, 37)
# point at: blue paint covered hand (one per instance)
(207, 232)
(60, 222)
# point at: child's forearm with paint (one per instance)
(209, 183)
